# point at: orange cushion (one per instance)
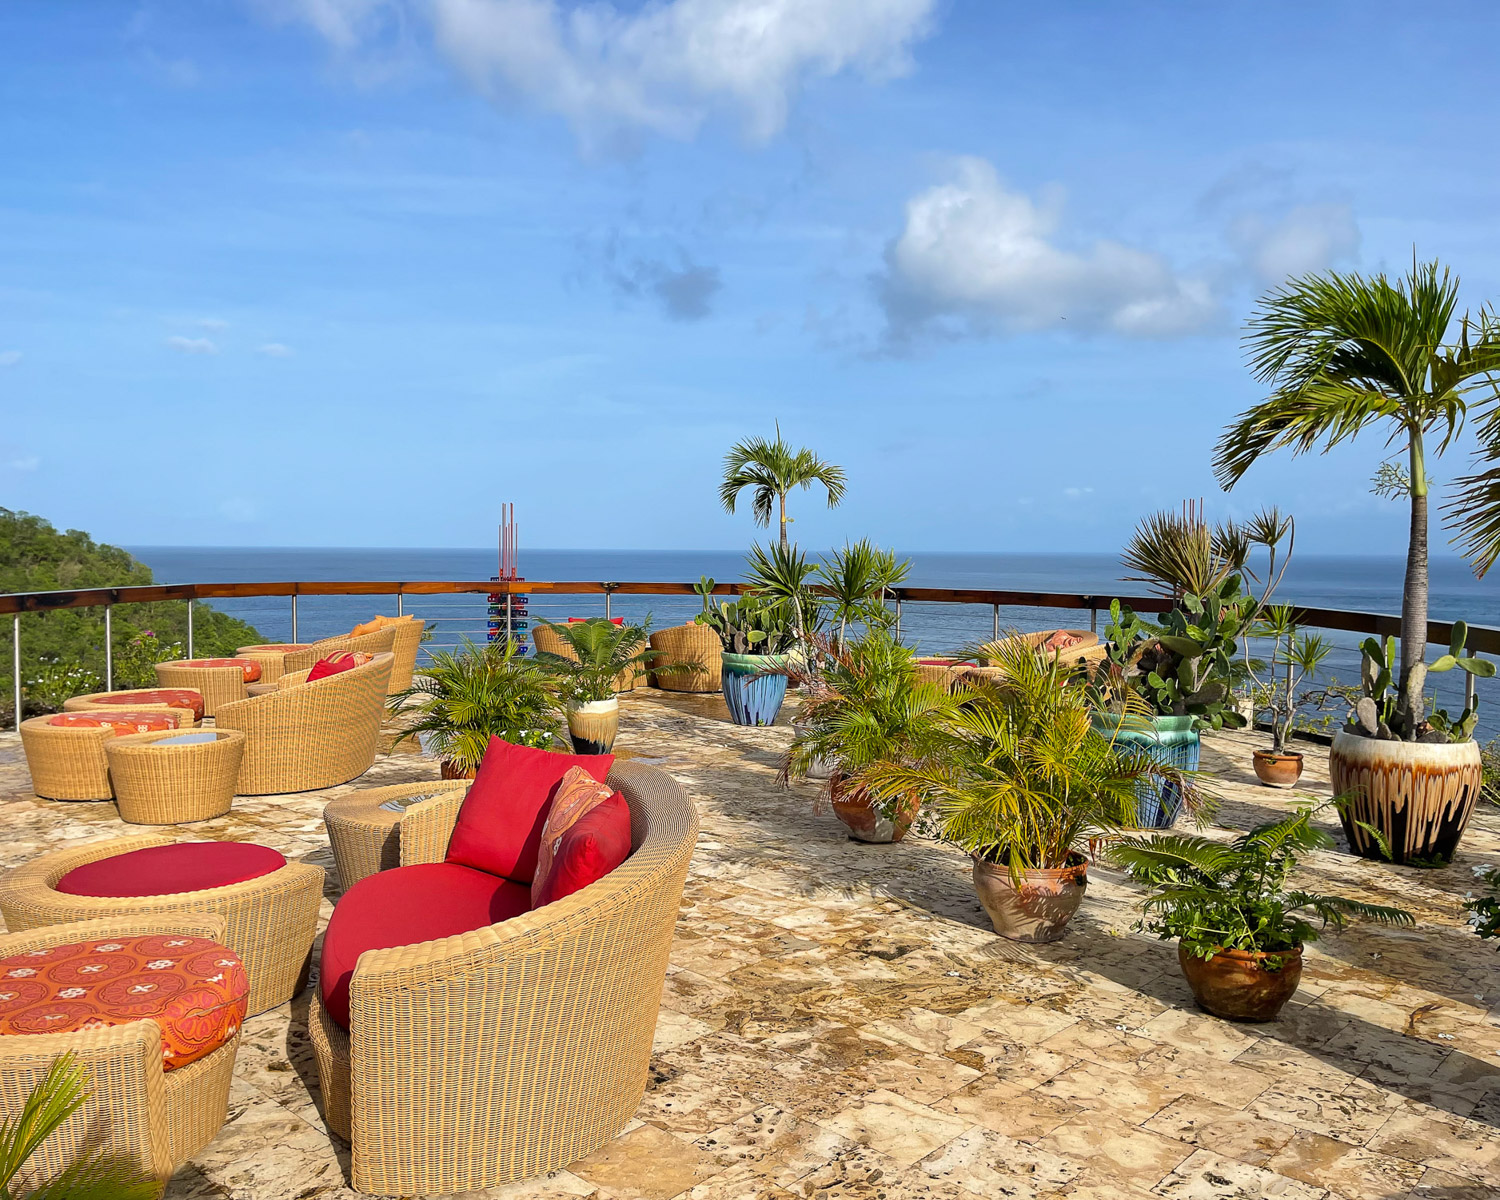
(249, 666)
(1061, 640)
(377, 623)
(581, 620)
(282, 647)
(193, 988)
(121, 723)
(172, 697)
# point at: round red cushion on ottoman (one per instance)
(168, 870)
(121, 723)
(193, 988)
(171, 697)
(249, 666)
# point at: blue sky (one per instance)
(353, 272)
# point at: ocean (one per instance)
(1366, 583)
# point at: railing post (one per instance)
(898, 618)
(1469, 685)
(190, 629)
(995, 624)
(109, 650)
(400, 609)
(1093, 619)
(15, 642)
(294, 618)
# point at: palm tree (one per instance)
(773, 469)
(1344, 353)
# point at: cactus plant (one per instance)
(1379, 712)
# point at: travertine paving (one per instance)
(839, 1020)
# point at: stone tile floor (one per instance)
(839, 1020)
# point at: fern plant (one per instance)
(1213, 896)
(93, 1175)
(463, 699)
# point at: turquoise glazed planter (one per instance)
(753, 698)
(1171, 741)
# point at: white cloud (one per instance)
(9, 358)
(187, 345)
(1307, 238)
(1077, 493)
(28, 462)
(275, 350)
(343, 23)
(977, 254)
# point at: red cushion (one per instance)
(581, 620)
(336, 664)
(189, 698)
(193, 988)
(167, 870)
(249, 666)
(597, 843)
(120, 722)
(499, 827)
(402, 907)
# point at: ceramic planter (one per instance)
(1278, 770)
(1171, 741)
(592, 726)
(1238, 984)
(1419, 795)
(819, 768)
(1040, 908)
(754, 697)
(864, 820)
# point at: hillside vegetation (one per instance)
(62, 652)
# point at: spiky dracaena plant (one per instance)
(601, 652)
(93, 1175)
(1021, 777)
(1214, 896)
(461, 700)
(855, 582)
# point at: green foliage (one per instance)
(603, 652)
(1019, 775)
(1213, 896)
(1295, 655)
(52, 683)
(780, 574)
(853, 585)
(753, 624)
(35, 557)
(135, 661)
(465, 697)
(1378, 712)
(772, 469)
(60, 1094)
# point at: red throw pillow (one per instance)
(336, 664)
(499, 827)
(597, 843)
(577, 795)
(581, 620)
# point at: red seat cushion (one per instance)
(499, 827)
(402, 907)
(249, 666)
(172, 697)
(593, 846)
(337, 663)
(167, 870)
(581, 620)
(120, 722)
(193, 988)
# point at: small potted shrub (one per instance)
(1240, 927)
(1294, 656)
(464, 698)
(599, 653)
(1022, 782)
(756, 633)
(866, 704)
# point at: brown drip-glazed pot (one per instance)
(1235, 984)
(1419, 795)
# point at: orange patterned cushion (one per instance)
(171, 697)
(280, 647)
(577, 795)
(121, 723)
(249, 666)
(1061, 640)
(193, 988)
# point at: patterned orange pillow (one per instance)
(1061, 640)
(121, 723)
(193, 988)
(188, 698)
(577, 794)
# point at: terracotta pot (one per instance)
(865, 821)
(1236, 985)
(1278, 770)
(593, 726)
(449, 770)
(1419, 795)
(1040, 909)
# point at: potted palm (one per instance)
(599, 653)
(866, 703)
(1294, 656)
(462, 699)
(756, 632)
(1022, 783)
(1344, 354)
(1240, 927)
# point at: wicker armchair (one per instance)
(70, 763)
(380, 641)
(696, 647)
(515, 1049)
(151, 1118)
(550, 642)
(219, 685)
(312, 735)
(269, 921)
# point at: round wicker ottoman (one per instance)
(187, 703)
(364, 827)
(174, 777)
(65, 752)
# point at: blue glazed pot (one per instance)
(1171, 741)
(754, 698)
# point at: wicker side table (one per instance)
(364, 827)
(192, 780)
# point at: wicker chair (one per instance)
(696, 647)
(279, 658)
(1088, 652)
(219, 685)
(270, 921)
(518, 1048)
(135, 1111)
(312, 735)
(95, 702)
(551, 642)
